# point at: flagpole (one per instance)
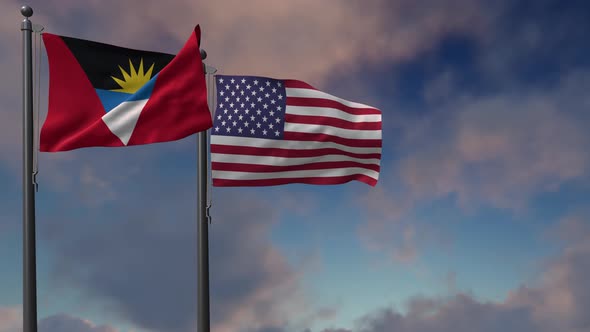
(203, 324)
(29, 257)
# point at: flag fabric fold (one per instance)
(270, 132)
(110, 96)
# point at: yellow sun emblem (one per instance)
(133, 80)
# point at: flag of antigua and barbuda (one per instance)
(105, 95)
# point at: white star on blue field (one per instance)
(479, 220)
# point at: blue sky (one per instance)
(479, 221)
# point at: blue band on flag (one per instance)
(111, 99)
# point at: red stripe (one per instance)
(297, 84)
(238, 167)
(311, 180)
(320, 102)
(74, 116)
(333, 122)
(177, 106)
(365, 143)
(287, 153)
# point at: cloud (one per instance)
(391, 228)
(563, 297)
(534, 44)
(500, 150)
(10, 319)
(256, 286)
(495, 127)
(137, 262)
(557, 300)
(313, 40)
(309, 39)
(67, 323)
(458, 314)
(267, 329)
(497, 151)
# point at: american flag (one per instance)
(271, 132)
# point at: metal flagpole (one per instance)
(29, 257)
(203, 316)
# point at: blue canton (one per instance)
(250, 106)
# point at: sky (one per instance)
(479, 221)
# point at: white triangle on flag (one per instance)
(122, 119)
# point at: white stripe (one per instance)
(286, 144)
(122, 119)
(333, 131)
(231, 175)
(332, 113)
(309, 93)
(282, 161)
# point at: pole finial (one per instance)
(203, 54)
(27, 11)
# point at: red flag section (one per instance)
(175, 108)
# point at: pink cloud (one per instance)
(390, 228)
(561, 296)
(10, 319)
(498, 151)
(68, 323)
(253, 285)
(307, 39)
(557, 300)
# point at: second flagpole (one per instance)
(203, 315)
